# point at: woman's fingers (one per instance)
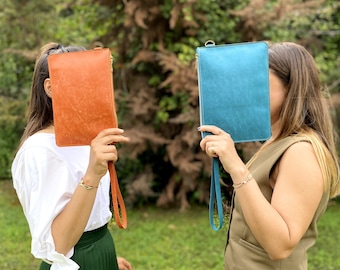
(103, 146)
(123, 264)
(220, 144)
(104, 150)
(213, 142)
(111, 136)
(212, 129)
(211, 151)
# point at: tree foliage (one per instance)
(153, 44)
(167, 33)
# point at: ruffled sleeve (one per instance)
(44, 185)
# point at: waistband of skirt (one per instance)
(90, 237)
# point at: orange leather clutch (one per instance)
(82, 95)
(83, 105)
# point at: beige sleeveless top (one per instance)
(243, 252)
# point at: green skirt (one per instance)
(94, 251)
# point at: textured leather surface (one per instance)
(233, 85)
(82, 95)
(83, 105)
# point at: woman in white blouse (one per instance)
(64, 191)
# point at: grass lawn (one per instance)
(158, 239)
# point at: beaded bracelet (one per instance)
(244, 181)
(87, 187)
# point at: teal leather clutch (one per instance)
(233, 83)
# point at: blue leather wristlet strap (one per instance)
(215, 193)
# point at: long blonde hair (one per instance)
(305, 111)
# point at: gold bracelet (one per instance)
(87, 187)
(244, 181)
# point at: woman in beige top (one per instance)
(283, 190)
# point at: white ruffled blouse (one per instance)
(45, 177)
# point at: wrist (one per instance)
(86, 186)
(240, 177)
(244, 181)
(90, 181)
(238, 173)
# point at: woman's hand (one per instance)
(220, 144)
(102, 151)
(123, 264)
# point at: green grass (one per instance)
(15, 239)
(167, 239)
(157, 238)
(325, 255)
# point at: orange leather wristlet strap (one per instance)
(119, 209)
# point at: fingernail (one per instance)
(198, 128)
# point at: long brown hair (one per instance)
(40, 111)
(305, 111)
